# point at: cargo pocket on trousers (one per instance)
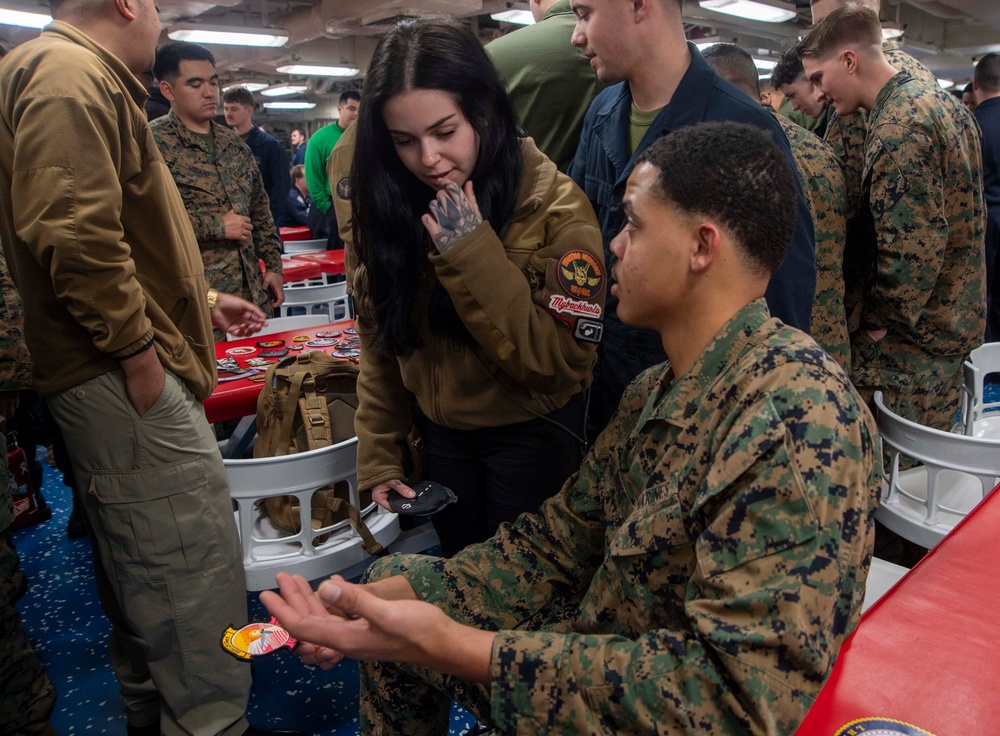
(159, 523)
(866, 360)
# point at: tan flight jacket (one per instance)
(526, 360)
(94, 230)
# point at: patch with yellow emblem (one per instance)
(256, 640)
(581, 275)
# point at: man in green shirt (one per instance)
(324, 222)
(551, 83)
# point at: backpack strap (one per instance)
(371, 545)
(297, 375)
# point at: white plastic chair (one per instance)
(303, 246)
(268, 550)
(924, 503)
(982, 361)
(882, 575)
(330, 298)
(285, 324)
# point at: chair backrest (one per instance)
(286, 324)
(924, 503)
(266, 550)
(303, 246)
(982, 361)
(333, 296)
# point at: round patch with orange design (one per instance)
(580, 274)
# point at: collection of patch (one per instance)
(256, 359)
(581, 277)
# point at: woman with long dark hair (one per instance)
(479, 287)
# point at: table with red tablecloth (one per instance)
(330, 262)
(925, 654)
(238, 398)
(294, 233)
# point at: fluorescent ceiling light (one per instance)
(229, 35)
(520, 17)
(22, 19)
(764, 65)
(945, 83)
(751, 9)
(289, 105)
(248, 86)
(284, 89)
(317, 69)
(891, 30)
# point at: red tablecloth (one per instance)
(926, 652)
(238, 398)
(299, 270)
(330, 261)
(294, 233)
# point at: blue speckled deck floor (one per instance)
(68, 630)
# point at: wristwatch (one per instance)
(213, 297)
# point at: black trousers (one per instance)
(498, 473)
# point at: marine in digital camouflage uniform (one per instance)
(822, 180)
(918, 268)
(922, 187)
(700, 572)
(211, 185)
(27, 698)
(748, 484)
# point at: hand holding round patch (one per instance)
(453, 214)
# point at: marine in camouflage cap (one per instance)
(701, 571)
(919, 273)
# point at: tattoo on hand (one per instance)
(456, 217)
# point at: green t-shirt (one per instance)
(317, 153)
(208, 139)
(639, 123)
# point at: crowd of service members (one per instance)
(595, 302)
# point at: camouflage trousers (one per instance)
(27, 698)
(409, 700)
(919, 386)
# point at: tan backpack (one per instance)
(308, 402)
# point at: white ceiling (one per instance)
(947, 35)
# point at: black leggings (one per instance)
(498, 473)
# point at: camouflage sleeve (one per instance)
(15, 362)
(265, 232)
(907, 202)
(384, 414)
(781, 522)
(553, 553)
(208, 226)
(527, 318)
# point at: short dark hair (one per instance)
(735, 64)
(735, 175)
(847, 25)
(240, 95)
(987, 74)
(351, 94)
(788, 69)
(299, 131)
(169, 57)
